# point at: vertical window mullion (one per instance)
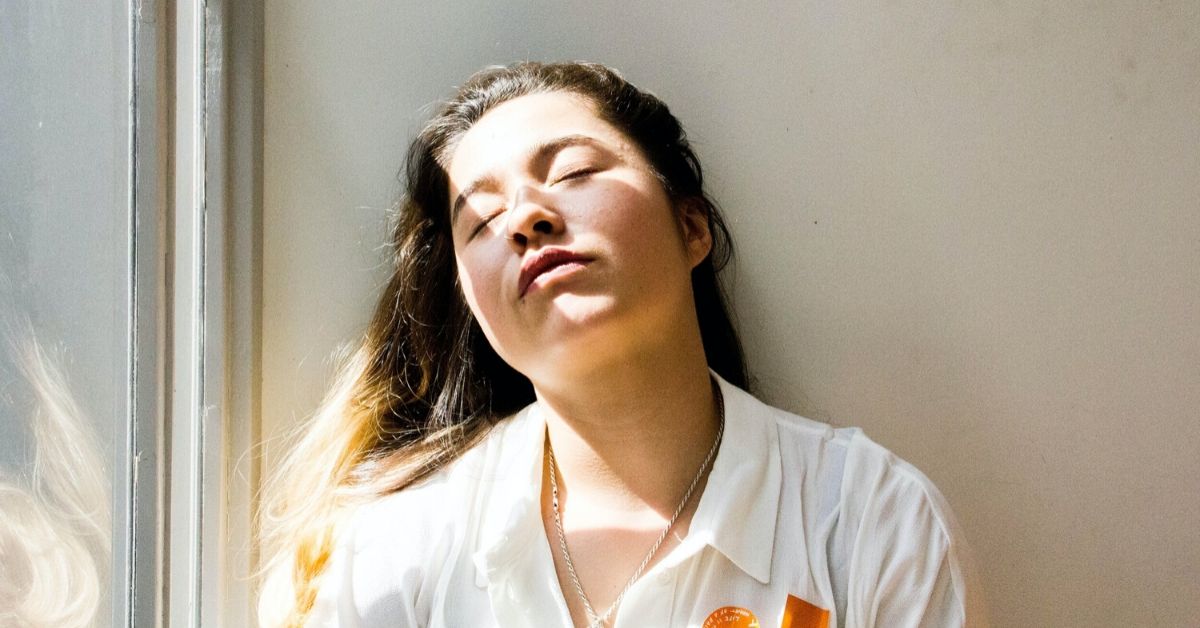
(214, 303)
(142, 602)
(187, 408)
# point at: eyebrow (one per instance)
(539, 155)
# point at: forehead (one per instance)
(508, 132)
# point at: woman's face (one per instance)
(569, 252)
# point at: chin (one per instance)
(580, 328)
(573, 317)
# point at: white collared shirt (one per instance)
(796, 516)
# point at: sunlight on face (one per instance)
(568, 248)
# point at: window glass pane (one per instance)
(64, 311)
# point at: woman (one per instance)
(546, 423)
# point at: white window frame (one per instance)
(194, 426)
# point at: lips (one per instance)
(547, 261)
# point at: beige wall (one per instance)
(973, 230)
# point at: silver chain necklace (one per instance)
(601, 619)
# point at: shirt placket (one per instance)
(651, 600)
(523, 588)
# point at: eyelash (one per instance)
(483, 225)
(575, 174)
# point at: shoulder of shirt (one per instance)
(391, 545)
(884, 508)
(873, 466)
(424, 506)
(867, 468)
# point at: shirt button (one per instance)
(663, 578)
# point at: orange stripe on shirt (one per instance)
(801, 614)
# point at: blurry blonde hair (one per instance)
(55, 534)
(343, 456)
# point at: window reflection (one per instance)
(55, 518)
(65, 341)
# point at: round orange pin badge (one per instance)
(731, 617)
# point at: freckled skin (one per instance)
(598, 198)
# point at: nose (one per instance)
(533, 217)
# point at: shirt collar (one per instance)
(739, 508)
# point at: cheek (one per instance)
(480, 284)
(482, 290)
(648, 224)
(468, 282)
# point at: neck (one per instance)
(631, 438)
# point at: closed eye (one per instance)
(482, 224)
(577, 173)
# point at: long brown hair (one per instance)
(425, 385)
